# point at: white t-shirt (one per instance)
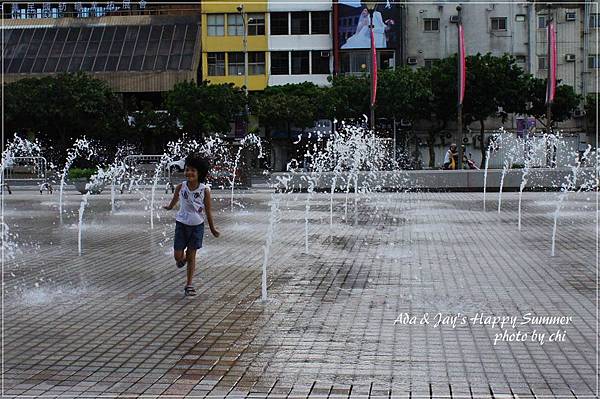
(448, 157)
(191, 205)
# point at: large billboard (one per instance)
(353, 25)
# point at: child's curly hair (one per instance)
(200, 164)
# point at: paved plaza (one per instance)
(345, 319)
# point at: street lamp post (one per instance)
(549, 67)
(459, 87)
(371, 7)
(240, 9)
(245, 21)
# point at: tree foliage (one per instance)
(59, 108)
(349, 96)
(287, 106)
(205, 108)
(153, 129)
(565, 100)
(404, 93)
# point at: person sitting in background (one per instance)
(450, 158)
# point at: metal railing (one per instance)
(26, 169)
(29, 170)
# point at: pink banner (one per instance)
(373, 68)
(463, 64)
(552, 63)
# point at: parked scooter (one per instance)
(469, 162)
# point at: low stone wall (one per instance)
(432, 180)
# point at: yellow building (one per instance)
(223, 47)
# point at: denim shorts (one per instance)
(188, 236)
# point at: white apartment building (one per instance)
(577, 40)
(430, 33)
(515, 28)
(300, 42)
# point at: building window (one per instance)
(320, 62)
(319, 21)
(386, 59)
(300, 63)
(595, 20)
(235, 25)
(429, 62)
(280, 63)
(216, 64)
(216, 24)
(594, 61)
(256, 63)
(279, 23)
(256, 24)
(432, 24)
(541, 21)
(299, 23)
(542, 62)
(499, 23)
(521, 59)
(570, 16)
(235, 64)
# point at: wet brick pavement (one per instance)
(114, 320)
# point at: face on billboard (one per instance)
(353, 25)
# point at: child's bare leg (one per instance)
(179, 255)
(191, 265)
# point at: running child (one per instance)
(194, 209)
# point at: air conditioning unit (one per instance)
(570, 57)
(411, 60)
(325, 53)
(454, 19)
(571, 16)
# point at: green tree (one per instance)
(495, 88)
(404, 93)
(153, 129)
(441, 107)
(59, 108)
(348, 96)
(286, 106)
(565, 101)
(205, 108)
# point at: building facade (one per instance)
(138, 49)
(144, 49)
(576, 36)
(300, 42)
(519, 29)
(352, 40)
(266, 43)
(234, 37)
(514, 28)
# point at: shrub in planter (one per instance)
(80, 177)
(81, 173)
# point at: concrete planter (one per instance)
(80, 185)
(431, 180)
